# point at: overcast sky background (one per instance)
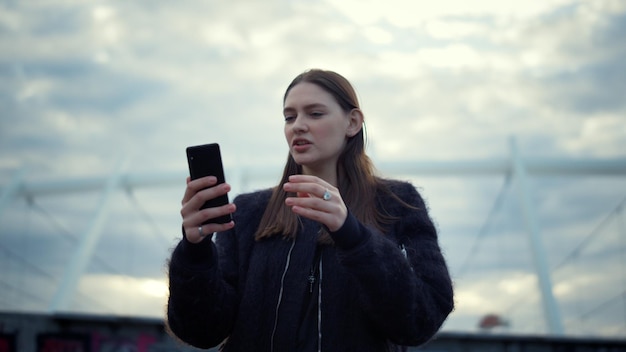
(85, 84)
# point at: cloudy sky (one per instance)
(87, 86)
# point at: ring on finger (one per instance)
(200, 231)
(326, 195)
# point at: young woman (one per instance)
(334, 258)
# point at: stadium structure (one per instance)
(55, 323)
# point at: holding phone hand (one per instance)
(197, 193)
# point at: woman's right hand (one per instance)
(195, 196)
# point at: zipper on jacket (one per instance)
(319, 309)
(317, 267)
(280, 294)
(312, 273)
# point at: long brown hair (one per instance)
(357, 182)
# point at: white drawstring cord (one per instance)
(280, 294)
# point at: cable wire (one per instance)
(37, 270)
(574, 254)
(576, 251)
(497, 204)
(147, 217)
(26, 264)
(22, 292)
(72, 237)
(603, 305)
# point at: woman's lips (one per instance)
(301, 145)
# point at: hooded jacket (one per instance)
(377, 292)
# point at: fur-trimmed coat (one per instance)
(377, 291)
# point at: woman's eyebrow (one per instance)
(306, 107)
(314, 105)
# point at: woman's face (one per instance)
(316, 127)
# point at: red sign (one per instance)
(63, 343)
(7, 343)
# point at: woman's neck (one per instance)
(328, 174)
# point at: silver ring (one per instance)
(200, 231)
(326, 195)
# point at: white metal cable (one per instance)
(497, 204)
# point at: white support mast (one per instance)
(551, 309)
(83, 254)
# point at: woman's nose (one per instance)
(299, 125)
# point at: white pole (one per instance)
(83, 254)
(551, 309)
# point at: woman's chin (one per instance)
(302, 160)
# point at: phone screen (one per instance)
(206, 160)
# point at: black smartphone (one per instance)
(206, 160)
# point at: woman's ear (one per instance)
(355, 122)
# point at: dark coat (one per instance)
(372, 297)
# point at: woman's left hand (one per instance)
(317, 200)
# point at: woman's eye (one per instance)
(317, 113)
(289, 118)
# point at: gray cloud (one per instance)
(83, 85)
